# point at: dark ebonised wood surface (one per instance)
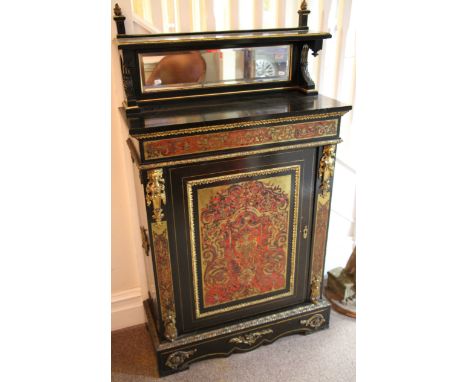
(171, 115)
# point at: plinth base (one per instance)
(242, 336)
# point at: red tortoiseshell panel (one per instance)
(244, 238)
(320, 234)
(200, 143)
(163, 268)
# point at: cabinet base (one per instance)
(243, 336)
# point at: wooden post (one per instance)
(303, 14)
(119, 19)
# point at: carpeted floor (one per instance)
(325, 356)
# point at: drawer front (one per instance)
(236, 137)
(240, 236)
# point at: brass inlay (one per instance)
(155, 193)
(228, 353)
(251, 338)
(280, 183)
(239, 154)
(194, 251)
(236, 125)
(305, 232)
(315, 321)
(177, 359)
(202, 143)
(247, 325)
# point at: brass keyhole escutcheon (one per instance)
(305, 232)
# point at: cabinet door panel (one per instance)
(241, 236)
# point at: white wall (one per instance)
(128, 274)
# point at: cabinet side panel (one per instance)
(326, 167)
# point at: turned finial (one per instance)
(117, 10)
(304, 5)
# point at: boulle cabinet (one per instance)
(235, 150)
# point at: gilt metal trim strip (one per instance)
(235, 125)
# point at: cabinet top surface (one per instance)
(235, 109)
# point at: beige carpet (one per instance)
(326, 356)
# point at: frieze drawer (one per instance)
(241, 136)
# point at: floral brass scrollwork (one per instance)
(315, 321)
(327, 168)
(315, 289)
(170, 330)
(251, 338)
(156, 194)
(175, 360)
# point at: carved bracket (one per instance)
(327, 168)
(314, 322)
(155, 194)
(310, 84)
(177, 359)
(128, 67)
(251, 338)
(306, 80)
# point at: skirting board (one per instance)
(127, 309)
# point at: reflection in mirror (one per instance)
(214, 67)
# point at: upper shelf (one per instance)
(236, 37)
(183, 67)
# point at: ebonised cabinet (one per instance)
(237, 182)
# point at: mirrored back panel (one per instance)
(214, 67)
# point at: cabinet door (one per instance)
(240, 236)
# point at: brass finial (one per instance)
(304, 5)
(117, 10)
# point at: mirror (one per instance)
(214, 67)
